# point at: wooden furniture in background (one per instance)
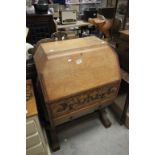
(121, 108)
(30, 100)
(35, 141)
(121, 103)
(77, 77)
(125, 77)
(40, 26)
(123, 49)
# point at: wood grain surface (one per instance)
(72, 66)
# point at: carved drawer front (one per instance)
(31, 127)
(85, 99)
(36, 150)
(33, 140)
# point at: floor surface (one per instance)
(90, 137)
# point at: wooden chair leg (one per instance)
(103, 117)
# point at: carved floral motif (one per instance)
(76, 102)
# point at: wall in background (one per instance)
(95, 5)
(81, 7)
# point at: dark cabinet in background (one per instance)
(40, 26)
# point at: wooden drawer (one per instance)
(31, 127)
(36, 150)
(33, 140)
(76, 114)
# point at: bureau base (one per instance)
(50, 125)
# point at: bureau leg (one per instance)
(103, 117)
(52, 135)
(48, 122)
(55, 142)
(53, 138)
